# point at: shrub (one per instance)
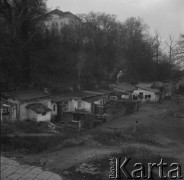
(30, 144)
(27, 126)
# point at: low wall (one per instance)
(133, 107)
(111, 117)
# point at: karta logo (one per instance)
(118, 170)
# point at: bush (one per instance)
(88, 122)
(7, 128)
(30, 144)
(27, 126)
(141, 155)
(130, 107)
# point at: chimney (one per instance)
(46, 91)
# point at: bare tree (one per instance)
(21, 26)
(157, 46)
(171, 44)
(179, 51)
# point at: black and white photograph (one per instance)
(92, 89)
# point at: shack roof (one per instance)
(94, 93)
(91, 98)
(97, 92)
(124, 86)
(78, 112)
(147, 88)
(145, 84)
(68, 96)
(38, 108)
(60, 98)
(82, 95)
(25, 95)
(3, 102)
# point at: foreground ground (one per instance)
(159, 134)
(11, 169)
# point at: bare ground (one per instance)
(158, 122)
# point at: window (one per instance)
(67, 107)
(13, 112)
(101, 102)
(146, 96)
(113, 98)
(6, 111)
(79, 104)
(54, 107)
(54, 24)
(134, 97)
(141, 95)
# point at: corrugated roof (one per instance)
(38, 108)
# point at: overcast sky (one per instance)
(165, 16)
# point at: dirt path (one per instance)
(68, 157)
(145, 115)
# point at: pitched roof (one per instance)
(94, 93)
(59, 13)
(59, 98)
(91, 98)
(38, 108)
(56, 11)
(25, 95)
(5, 103)
(97, 92)
(124, 86)
(148, 88)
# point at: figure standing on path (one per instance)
(135, 130)
(80, 125)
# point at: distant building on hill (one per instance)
(57, 19)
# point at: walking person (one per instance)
(136, 129)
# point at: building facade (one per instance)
(32, 105)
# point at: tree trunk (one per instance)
(26, 66)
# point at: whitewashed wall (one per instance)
(154, 97)
(45, 117)
(54, 112)
(73, 104)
